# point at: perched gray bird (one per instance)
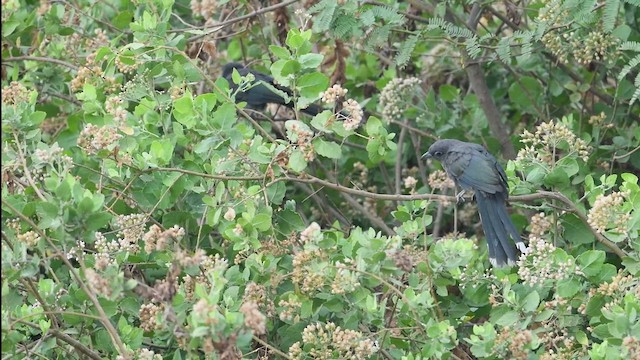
(259, 95)
(473, 168)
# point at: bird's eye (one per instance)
(438, 153)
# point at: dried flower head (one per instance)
(440, 180)
(538, 265)
(332, 94)
(549, 142)
(253, 318)
(148, 316)
(311, 233)
(15, 93)
(328, 341)
(608, 213)
(354, 117)
(94, 138)
(397, 96)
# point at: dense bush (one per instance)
(146, 215)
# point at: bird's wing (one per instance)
(474, 168)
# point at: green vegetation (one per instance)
(146, 215)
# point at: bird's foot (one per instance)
(460, 197)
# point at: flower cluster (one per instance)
(545, 144)
(114, 107)
(94, 138)
(205, 312)
(146, 354)
(148, 316)
(633, 347)
(440, 180)
(332, 94)
(14, 224)
(14, 93)
(30, 238)
(410, 183)
(253, 318)
(540, 225)
(257, 293)
(51, 154)
(396, 97)
(352, 113)
(345, 281)
(127, 64)
(86, 73)
(355, 117)
(557, 340)
(328, 341)
(607, 210)
(515, 341)
(204, 8)
(404, 258)
(614, 290)
(158, 240)
(303, 274)
(363, 174)
(598, 119)
(539, 265)
(311, 233)
(596, 45)
(130, 231)
(619, 284)
(303, 137)
(290, 309)
(97, 283)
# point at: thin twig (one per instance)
(211, 29)
(41, 59)
(104, 319)
(68, 339)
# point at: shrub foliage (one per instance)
(146, 215)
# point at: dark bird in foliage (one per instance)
(472, 167)
(259, 95)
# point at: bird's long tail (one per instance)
(498, 229)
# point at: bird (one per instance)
(473, 168)
(259, 95)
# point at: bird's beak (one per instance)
(426, 155)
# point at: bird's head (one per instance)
(228, 68)
(438, 149)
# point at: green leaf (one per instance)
(526, 93)
(276, 193)
(567, 288)
(558, 177)
(321, 121)
(576, 231)
(280, 52)
(311, 60)
(327, 149)
(531, 301)
(122, 20)
(297, 162)
(449, 93)
(162, 151)
(290, 67)
(509, 318)
(184, 113)
(311, 85)
(262, 221)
